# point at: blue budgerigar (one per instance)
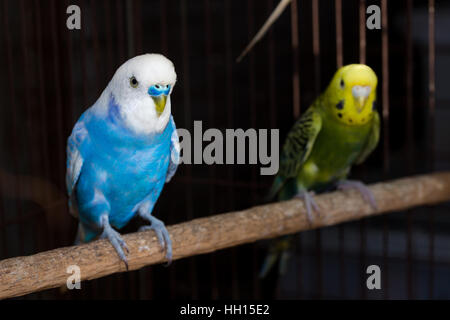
(122, 151)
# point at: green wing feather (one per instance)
(372, 141)
(298, 146)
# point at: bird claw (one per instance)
(310, 203)
(365, 192)
(162, 234)
(117, 242)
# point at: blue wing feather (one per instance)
(174, 152)
(75, 159)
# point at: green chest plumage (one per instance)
(336, 148)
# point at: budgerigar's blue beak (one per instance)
(159, 95)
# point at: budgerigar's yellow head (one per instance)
(351, 95)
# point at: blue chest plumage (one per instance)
(120, 167)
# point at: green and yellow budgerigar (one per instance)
(341, 128)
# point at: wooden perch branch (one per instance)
(22, 275)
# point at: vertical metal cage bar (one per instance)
(316, 45)
(295, 60)
(209, 77)
(164, 32)
(339, 38)
(67, 112)
(4, 247)
(296, 107)
(120, 30)
(339, 63)
(188, 120)
(109, 40)
(28, 111)
(96, 45)
(385, 84)
(316, 56)
(115, 11)
(253, 124)
(59, 118)
(431, 109)
(13, 104)
(27, 118)
(362, 31)
(409, 142)
(271, 71)
(431, 57)
(409, 86)
(130, 28)
(84, 78)
(68, 94)
(385, 116)
(102, 286)
(164, 45)
(362, 223)
(69, 74)
(230, 121)
(229, 105)
(137, 18)
(94, 288)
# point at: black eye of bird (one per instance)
(133, 82)
(342, 83)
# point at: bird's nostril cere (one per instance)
(159, 89)
(361, 91)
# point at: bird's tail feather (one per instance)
(279, 251)
(86, 234)
(80, 235)
(269, 261)
(278, 183)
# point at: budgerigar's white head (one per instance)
(141, 88)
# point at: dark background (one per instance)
(49, 75)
